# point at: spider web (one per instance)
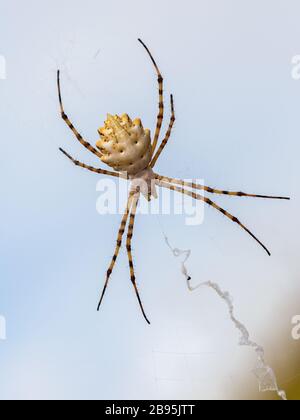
(263, 372)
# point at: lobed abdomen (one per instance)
(125, 145)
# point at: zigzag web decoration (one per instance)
(264, 373)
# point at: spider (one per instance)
(127, 147)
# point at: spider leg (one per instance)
(213, 190)
(129, 252)
(214, 205)
(168, 135)
(160, 115)
(70, 125)
(91, 168)
(118, 247)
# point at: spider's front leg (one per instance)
(129, 252)
(118, 246)
(210, 190)
(214, 205)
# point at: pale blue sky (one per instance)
(228, 64)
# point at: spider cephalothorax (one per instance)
(145, 182)
(125, 144)
(126, 147)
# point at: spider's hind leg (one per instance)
(64, 116)
(168, 135)
(90, 168)
(160, 82)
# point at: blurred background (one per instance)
(229, 66)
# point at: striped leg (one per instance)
(168, 135)
(129, 252)
(118, 247)
(214, 191)
(160, 115)
(70, 125)
(90, 168)
(214, 205)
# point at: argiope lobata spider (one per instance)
(126, 146)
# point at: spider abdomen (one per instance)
(125, 145)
